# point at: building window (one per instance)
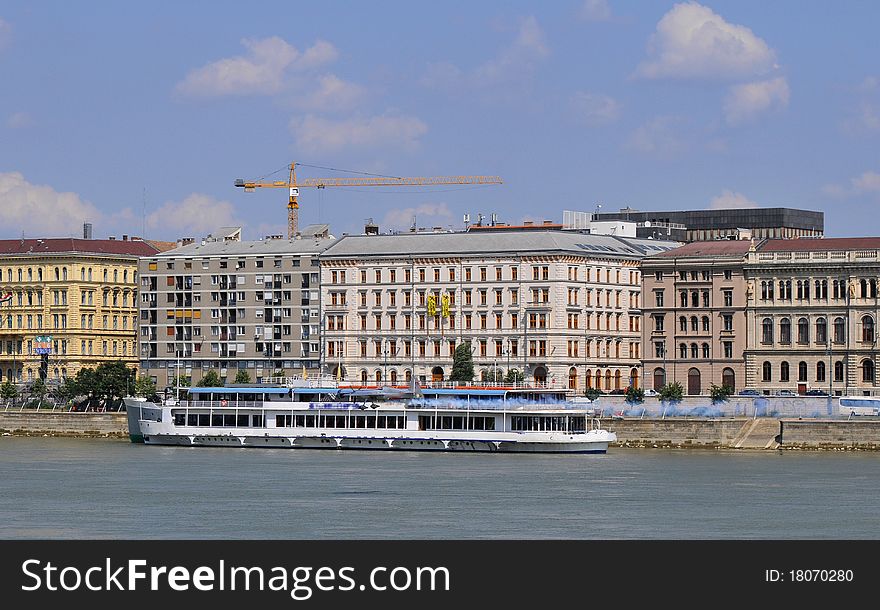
(728, 349)
(766, 371)
(868, 371)
(705, 348)
(658, 298)
(728, 298)
(867, 329)
(821, 331)
(803, 331)
(695, 351)
(838, 371)
(802, 371)
(820, 371)
(705, 323)
(767, 331)
(785, 331)
(839, 330)
(783, 371)
(658, 323)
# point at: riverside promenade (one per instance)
(676, 432)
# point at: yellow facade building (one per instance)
(67, 304)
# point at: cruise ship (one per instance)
(320, 414)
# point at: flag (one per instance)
(6, 297)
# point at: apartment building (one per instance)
(694, 313)
(228, 305)
(812, 315)
(67, 304)
(560, 307)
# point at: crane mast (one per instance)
(293, 185)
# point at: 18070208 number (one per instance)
(820, 575)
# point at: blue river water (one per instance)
(110, 489)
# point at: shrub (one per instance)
(672, 392)
(635, 396)
(720, 393)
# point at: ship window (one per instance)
(301, 421)
(310, 421)
(179, 419)
(217, 420)
(229, 421)
(204, 419)
(192, 419)
(242, 421)
(258, 421)
(381, 421)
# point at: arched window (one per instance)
(659, 378)
(839, 330)
(90, 274)
(115, 276)
(705, 348)
(393, 376)
(634, 378)
(683, 324)
(683, 351)
(868, 371)
(64, 273)
(694, 386)
(821, 331)
(694, 324)
(838, 371)
(867, 329)
(728, 378)
(803, 331)
(785, 331)
(30, 274)
(588, 379)
(57, 274)
(873, 286)
(572, 378)
(695, 298)
(767, 331)
(820, 371)
(802, 371)
(705, 322)
(364, 377)
(608, 379)
(407, 375)
(617, 380)
(863, 285)
(82, 274)
(783, 371)
(695, 352)
(684, 298)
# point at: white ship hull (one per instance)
(388, 428)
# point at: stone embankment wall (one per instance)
(831, 434)
(48, 423)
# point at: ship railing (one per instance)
(214, 404)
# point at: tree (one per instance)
(144, 386)
(492, 374)
(671, 392)
(8, 391)
(114, 379)
(592, 393)
(514, 376)
(39, 390)
(242, 376)
(635, 396)
(462, 363)
(720, 393)
(66, 390)
(211, 379)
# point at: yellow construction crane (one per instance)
(294, 185)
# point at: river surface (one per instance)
(71, 488)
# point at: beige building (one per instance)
(67, 304)
(561, 307)
(812, 315)
(694, 321)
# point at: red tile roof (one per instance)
(720, 247)
(70, 245)
(820, 244)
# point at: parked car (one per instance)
(651, 393)
(786, 393)
(816, 393)
(749, 393)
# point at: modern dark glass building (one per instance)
(702, 225)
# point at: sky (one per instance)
(138, 117)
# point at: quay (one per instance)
(746, 433)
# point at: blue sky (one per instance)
(139, 117)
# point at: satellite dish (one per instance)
(647, 223)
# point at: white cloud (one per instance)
(321, 135)
(594, 109)
(658, 137)
(692, 41)
(728, 199)
(41, 210)
(195, 216)
(595, 10)
(330, 94)
(745, 102)
(871, 83)
(19, 120)
(261, 71)
(867, 182)
(510, 65)
(425, 215)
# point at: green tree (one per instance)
(115, 380)
(592, 393)
(211, 379)
(492, 374)
(635, 396)
(8, 391)
(39, 391)
(66, 390)
(720, 393)
(144, 386)
(514, 376)
(242, 376)
(462, 363)
(671, 392)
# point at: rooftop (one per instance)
(823, 244)
(64, 245)
(244, 248)
(721, 247)
(494, 242)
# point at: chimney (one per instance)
(185, 241)
(548, 222)
(87, 230)
(528, 223)
(124, 237)
(371, 228)
(112, 238)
